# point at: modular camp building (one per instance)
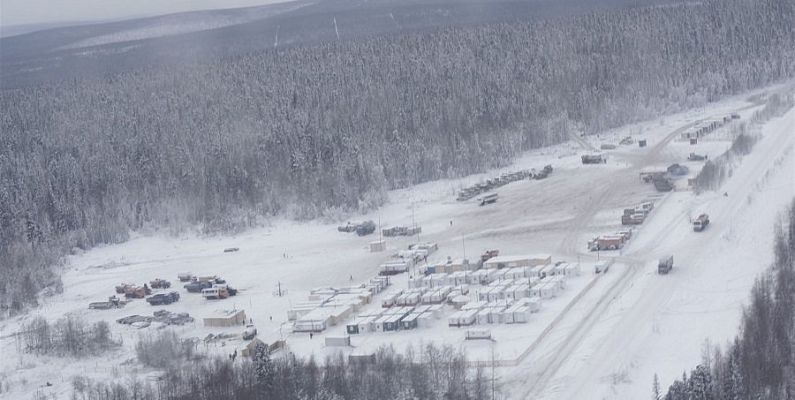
(500, 262)
(225, 318)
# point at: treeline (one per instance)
(305, 131)
(68, 336)
(430, 373)
(717, 170)
(760, 363)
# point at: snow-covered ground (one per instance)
(617, 330)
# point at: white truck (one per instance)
(700, 222)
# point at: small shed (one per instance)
(251, 347)
(225, 318)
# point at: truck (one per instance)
(163, 298)
(606, 242)
(665, 265)
(633, 218)
(543, 173)
(184, 276)
(250, 332)
(488, 199)
(700, 222)
(197, 286)
(696, 157)
(215, 293)
(113, 302)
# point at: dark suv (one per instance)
(163, 298)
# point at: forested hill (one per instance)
(303, 130)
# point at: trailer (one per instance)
(665, 265)
(488, 199)
(593, 159)
(113, 302)
(700, 223)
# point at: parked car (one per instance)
(197, 286)
(163, 298)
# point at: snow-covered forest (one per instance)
(759, 363)
(310, 131)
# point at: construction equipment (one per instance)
(700, 222)
(160, 284)
(665, 265)
(163, 298)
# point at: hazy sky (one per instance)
(17, 12)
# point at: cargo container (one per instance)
(338, 341)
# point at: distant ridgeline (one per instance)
(332, 126)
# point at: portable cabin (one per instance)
(436, 310)
(389, 299)
(409, 321)
(500, 262)
(352, 328)
(559, 280)
(454, 319)
(392, 323)
(459, 300)
(521, 315)
(483, 316)
(507, 315)
(425, 320)
(309, 325)
(468, 317)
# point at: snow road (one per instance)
(657, 324)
